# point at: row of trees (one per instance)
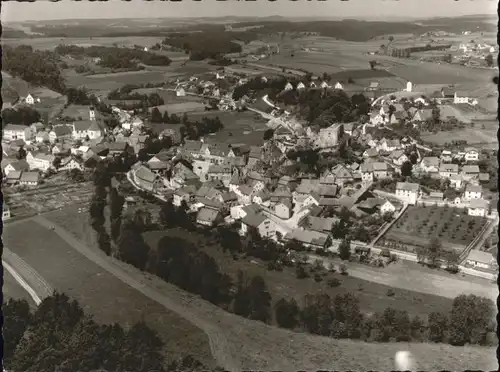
(23, 115)
(58, 335)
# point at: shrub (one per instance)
(390, 292)
(301, 272)
(333, 282)
(318, 278)
(343, 269)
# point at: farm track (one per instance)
(218, 342)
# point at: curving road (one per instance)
(217, 339)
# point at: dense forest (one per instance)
(59, 336)
(34, 66)
(115, 57)
(208, 44)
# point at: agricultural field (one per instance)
(331, 56)
(482, 135)
(453, 227)
(100, 293)
(45, 197)
(179, 108)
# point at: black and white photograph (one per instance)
(249, 185)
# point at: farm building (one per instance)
(408, 191)
(480, 259)
(478, 207)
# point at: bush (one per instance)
(333, 282)
(343, 269)
(301, 272)
(318, 278)
(390, 292)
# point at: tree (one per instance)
(156, 116)
(268, 134)
(21, 153)
(433, 251)
(348, 317)
(116, 202)
(131, 246)
(489, 60)
(317, 314)
(167, 215)
(471, 318)
(373, 64)
(391, 38)
(17, 316)
(166, 118)
(437, 324)
(104, 242)
(452, 259)
(345, 249)
(286, 313)
(260, 300)
(406, 169)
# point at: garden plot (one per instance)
(452, 226)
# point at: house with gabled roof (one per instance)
(185, 193)
(430, 165)
(388, 145)
(309, 239)
(13, 132)
(40, 161)
(422, 115)
(60, 133)
(86, 128)
(448, 170)
(398, 157)
(374, 170)
(13, 178)
(408, 191)
(473, 192)
(342, 174)
(208, 217)
(470, 172)
(20, 166)
(478, 207)
(265, 226)
(29, 178)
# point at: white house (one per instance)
(283, 209)
(84, 128)
(324, 85)
(180, 92)
(30, 100)
(409, 86)
(339, 86)
(462, 97)
(471, 154)
(446, 156)
(5, 212)
(265, 226)
(387, 207)
(473, 192)
(477, 258)
(288, 86)
(13, 132)
(69, 163)
(42, 136)
(448, 170)
(301, 86)
(478, 207)
(40, 161)
(456, 181)
(408, 191)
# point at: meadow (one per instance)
(100, 293)
(482, 135)
(50, 43)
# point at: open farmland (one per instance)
(452, 226)
(331, 56)
(100, 293)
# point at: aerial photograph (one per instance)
(237, 186)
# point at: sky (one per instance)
(43, 10)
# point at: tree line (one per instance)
(115, 57)
(58, 335)
(23, 115)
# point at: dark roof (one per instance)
(253, 219)
(62, 130)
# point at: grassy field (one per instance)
(483, 137)
(272, 348)
(101, 294)
(454, 229)
(12, 289)
(373, 297)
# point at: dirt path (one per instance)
(218, 342)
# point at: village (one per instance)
(257, 186)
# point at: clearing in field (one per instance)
(452, 226)
(101, 294)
